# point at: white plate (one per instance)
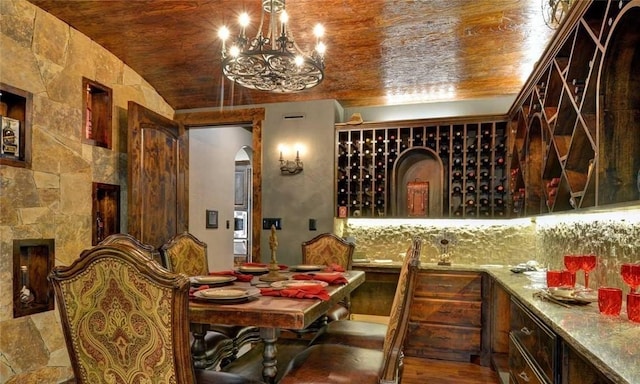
(223, 294)
(308, 267)
(253, 269)
(571, 295)
(297, 283)
(212, 279)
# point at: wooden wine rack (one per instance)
(472, 154)
(577, 131)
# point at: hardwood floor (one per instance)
(422, 371)
(416, 370)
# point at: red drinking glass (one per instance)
(588, 264)
(554, 278)
(633, 307)
(573, 263)
(568, 279)
(610, 301)
(631, 275)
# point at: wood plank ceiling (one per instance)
(378, 52)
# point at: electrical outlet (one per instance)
(268, 222)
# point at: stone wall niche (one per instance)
(33, 260)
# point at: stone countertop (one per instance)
(611, 344)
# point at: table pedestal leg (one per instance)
(269, 337)
(198, 349)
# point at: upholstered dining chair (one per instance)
(336, 363)
(127, 239)
(125, 320)
(186, 254)
(328, 249)
(358, 333)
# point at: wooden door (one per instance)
(158, 176)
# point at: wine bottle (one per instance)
(457, 162)
(99, 227)
(457, 211)
(500, 161)
(471, 175)
(456, 175)
(471, 163)
(500, 188)
(484, 188)
(471, 189)
(26, 294)
(457, 190)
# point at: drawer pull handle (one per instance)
(445, 285)
(523, 375)
(526, 331)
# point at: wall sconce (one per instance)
(291, 167)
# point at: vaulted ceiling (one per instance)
(378, 52)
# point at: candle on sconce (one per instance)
(280, 155)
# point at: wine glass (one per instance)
(588, 264)
(573, 263)
(631, 275)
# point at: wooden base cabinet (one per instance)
(446, 316)
(576, 369)
(534, 340)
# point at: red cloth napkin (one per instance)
(334, 268)
(305, 292)
(331, 278)
(238, 275)
(193, 290)
(263, 265)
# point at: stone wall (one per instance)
(52, 199)
(614, 236)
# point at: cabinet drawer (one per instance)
(536, 339)
(447, 337)
(466, 313)
(449, 286)
(520, 368)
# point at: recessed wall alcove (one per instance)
(419, 164)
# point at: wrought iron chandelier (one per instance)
(271, 61)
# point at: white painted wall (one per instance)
(212, 154)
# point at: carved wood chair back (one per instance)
(129, 240)
(327, 249)
(184, 253)
(399, 317)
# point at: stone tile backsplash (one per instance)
(613, 236)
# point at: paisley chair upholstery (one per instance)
(125, 320)
(186, 254)
(328, 249)
(337, 363)
(362, 334)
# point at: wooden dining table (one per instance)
(270, 313)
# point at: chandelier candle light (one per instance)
(271, 61)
